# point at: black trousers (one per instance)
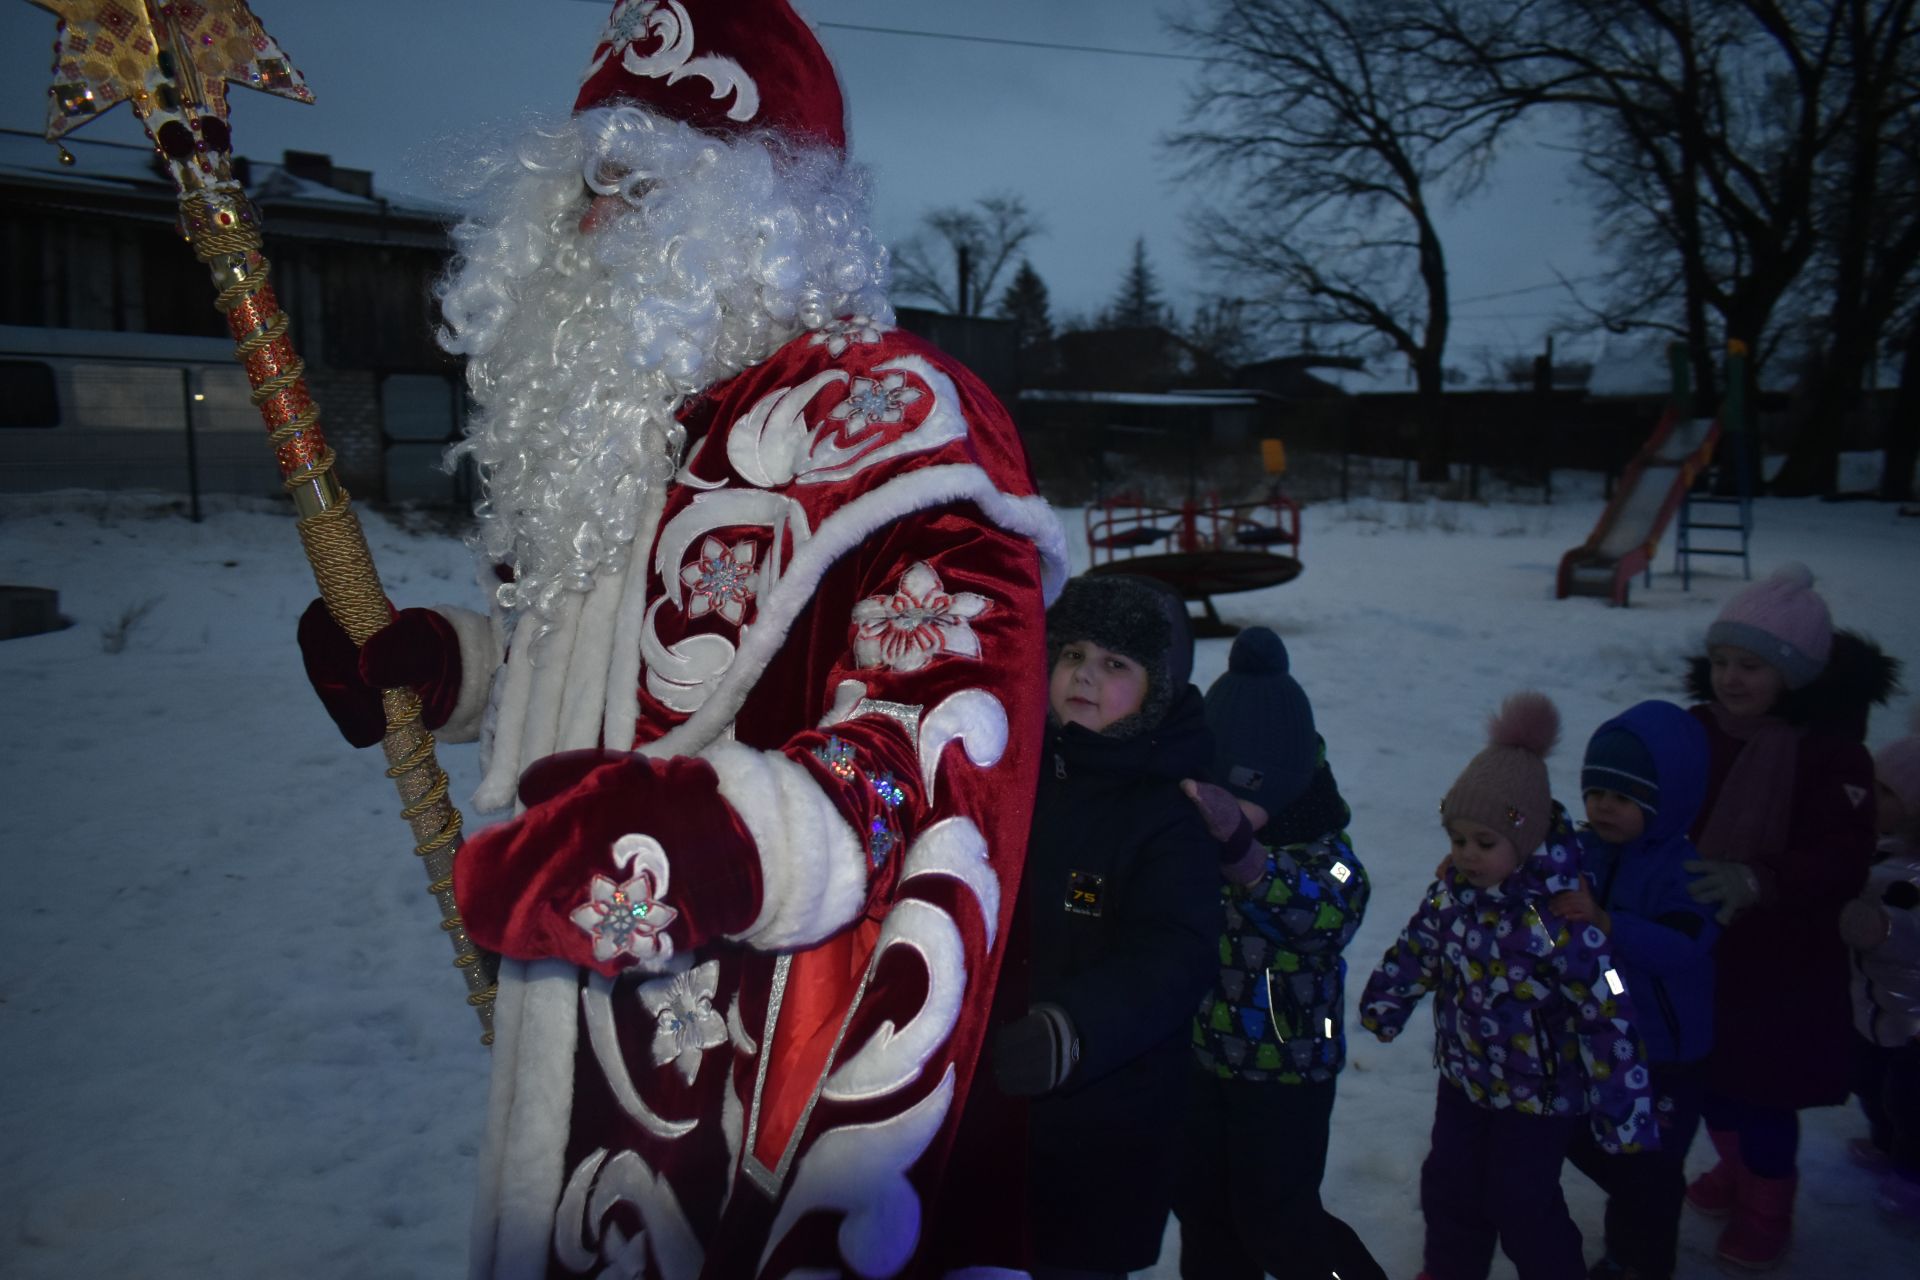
(1887, 1082)
(1249, 1199)
(1645, 1189)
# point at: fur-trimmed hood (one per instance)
(1858, 677)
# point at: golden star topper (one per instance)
(172, 61)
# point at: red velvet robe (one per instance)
(761, 958)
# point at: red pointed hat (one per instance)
(725, 66)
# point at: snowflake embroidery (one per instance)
(721, 580)
(883, 832)
(629, 22)
(624, 919)
(837, 335)
(686, 1024)
(838, 757)
(870, 402)
(883, 829)
(919, 622)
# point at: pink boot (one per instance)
(1715, 1191)
(1762, 1222)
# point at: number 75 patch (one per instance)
(1085, 891)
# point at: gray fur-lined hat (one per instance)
(1134, 616)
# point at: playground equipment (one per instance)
(1657, 485)
(1216, 548)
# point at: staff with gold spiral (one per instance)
(173, 62)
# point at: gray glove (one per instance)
(1731, 885)
(1035, 1054)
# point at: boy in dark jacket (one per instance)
(1268, 1037)
(1121, 899)
(1643, 780)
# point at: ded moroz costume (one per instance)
(761, 675)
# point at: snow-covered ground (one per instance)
(232, 1042)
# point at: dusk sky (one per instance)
(940, 121)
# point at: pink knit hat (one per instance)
(1782, 620)
(1898, 766)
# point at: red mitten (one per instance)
(418, 648)
(333, 668)
(635, 861)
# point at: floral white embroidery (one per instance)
(837, 335)
(919, 622)
(870, 401)
(721, 581)
(625, 919)
(686, 1023)
(665, 24)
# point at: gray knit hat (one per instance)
(1505, 787)
(1134, 616)
(1264, 745)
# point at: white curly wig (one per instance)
(582, 346)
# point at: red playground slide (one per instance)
(1655, 484)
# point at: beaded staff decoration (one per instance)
(172, 62)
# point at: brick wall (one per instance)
(350, 417)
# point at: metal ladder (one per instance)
(1726, 518)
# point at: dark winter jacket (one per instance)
(1276, 1008)
(1662, 939)
(1528, 1011)
(1122, 895)
(1782, 1014)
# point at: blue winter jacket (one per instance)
(1662, 939)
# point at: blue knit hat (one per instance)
(1264, 745)
(1618, 761)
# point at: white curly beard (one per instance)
(582, 346)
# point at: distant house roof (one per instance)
(1165, 400)
(1308, 375)
(307, 195)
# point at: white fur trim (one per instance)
(974, 718)
(623, 668)
(845, 530)
(528, 731)
(500, 746)
(954, 847)
(813, 870)
(861, 1171)
(509, 1007)
(479, 659)
(891, 1059)
(583, 697)
(527, 1134)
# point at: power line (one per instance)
(1023, 44)
(1532, 288)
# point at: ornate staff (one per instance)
(172, 61)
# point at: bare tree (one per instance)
(1327, 143)
(1734, 144)
(956, 258)
(1868, 208)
